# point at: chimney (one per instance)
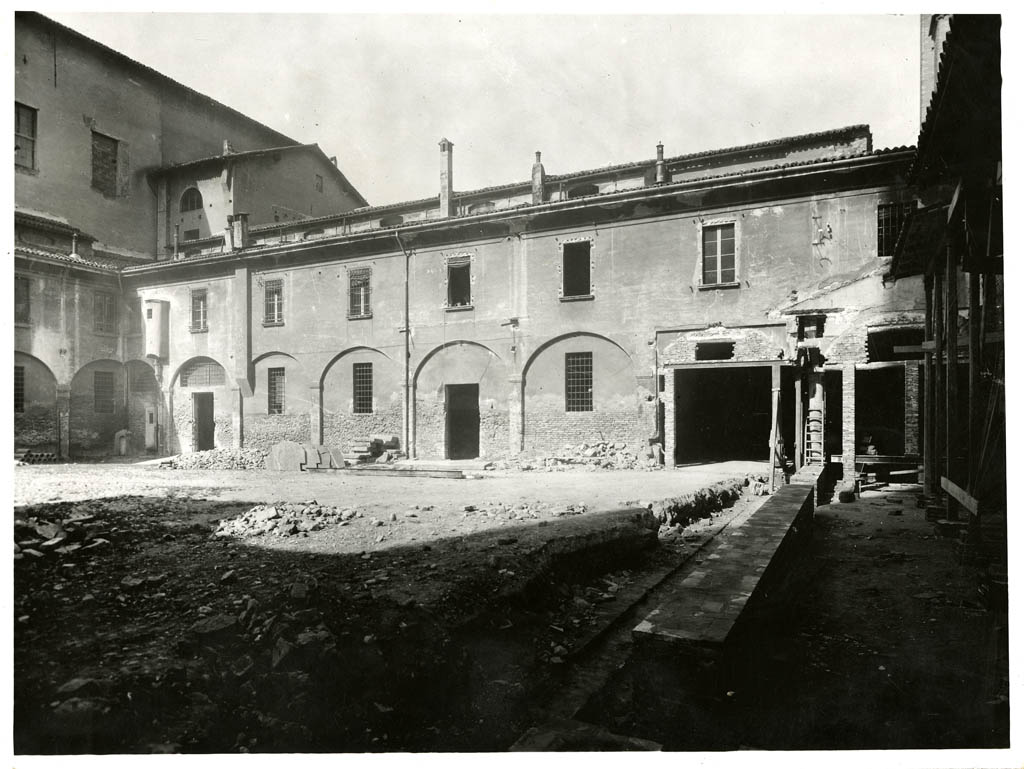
(659, 165)
(238, 230)
(334, 160)
(538, 180)
(228, 149)
(446, 177)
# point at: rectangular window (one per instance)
(273, 302)
(576, 269)
(579, 381)
(362, 388)
(104, 164)
(19, 389)
(890, 221)
(318, 183)
(719, 254)
(359, 293)
(191, 235)
(104, 313)
(22, 306)
(103, 392)
(24, 136)
(198, 310)
(460, 292)
(714, 351)
(275, 390)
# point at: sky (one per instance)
(380, 91)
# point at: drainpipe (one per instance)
(407, 427)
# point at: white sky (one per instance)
(588, 91)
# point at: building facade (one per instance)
(727, 304)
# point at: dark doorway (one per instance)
(202, 413)
(462, 420)
(725, 414)
(880, 414)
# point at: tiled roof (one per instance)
(50, 223)
(92, 262)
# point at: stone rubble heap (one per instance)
(220, 459)
(602, 455)
(286, 520)
(40, 539)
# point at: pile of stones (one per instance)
(37, 539)
(602, 455)
(286, 520)
(220, 459)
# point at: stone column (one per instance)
(64, 420)
(316, 427)
(237, 418)
(814, 446)
(407, 419)
(515, 415)
(669, 400)
(849, 423)
(911, 406)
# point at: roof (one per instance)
(93, 263)
(252, 154)
(49, 223)
(963, 119)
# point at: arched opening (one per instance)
(279, 407)
(143, 404)
(35, 405)
(98, 408)
(191, 200)
(361, 398)
(201, 407)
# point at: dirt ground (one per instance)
(403, 623)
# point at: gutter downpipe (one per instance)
(407, 410)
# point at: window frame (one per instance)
(276, 391)
(109, 404)
(364, 307)
(96, 182)
(190, 373)
(20, 135)
(572, 245)
(199, 299)
(22, 298)
(104, 313)
(273, 312)
(362, 387)
(888, 234)
(318, 183)
(458, 262)
(181, 200)
(579, 381)
(19, 389)
(718, 225)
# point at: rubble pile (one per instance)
(37, 538)
(702, 503)
(220, 459)
(286, 520)
(602, 455)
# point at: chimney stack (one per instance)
(538, 179)
(238, 230)
(228, 149)
(446, 177)
(659, 166)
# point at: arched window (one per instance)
(202, 372)
(191, 200)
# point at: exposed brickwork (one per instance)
(912, 407)
(341, 427)
(91, 432)
(430, 429)
(750, 344)
(549, 427)
(181, 437)
(849, 421)
(262, 431)
(36, 428)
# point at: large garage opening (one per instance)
(462, 420)
(725, 413)
(879, 420)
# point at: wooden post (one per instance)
(938, 384)
(952, 421)
(974, 380)
(928, 450)
(798, 429)
(773, 438)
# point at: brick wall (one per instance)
(912, 407)
(181, 439)
(93, 433)
(262, 431)
(549, 427)
(849, 421)
(340, 427)
(750, 344)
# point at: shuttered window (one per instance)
(719, 254)
(104, 164)
(22, 306)
(24, 136)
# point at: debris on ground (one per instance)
(602, 455)
(220, 459)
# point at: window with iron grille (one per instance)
(275, 390)
(24, 136)
(202, 372)
(19, 388)
(362, 388)
(579, 381)
(191, 200)
(104, 164)
(104, 313)
(22, 306)
(719, 254)
(890, 221)
(273, 302)
(576, 269)
(460, 282)
(103, 392)
(199, 308)
(359, 293)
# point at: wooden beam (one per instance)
(993, 337)
(961, 496)
(951, 380)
